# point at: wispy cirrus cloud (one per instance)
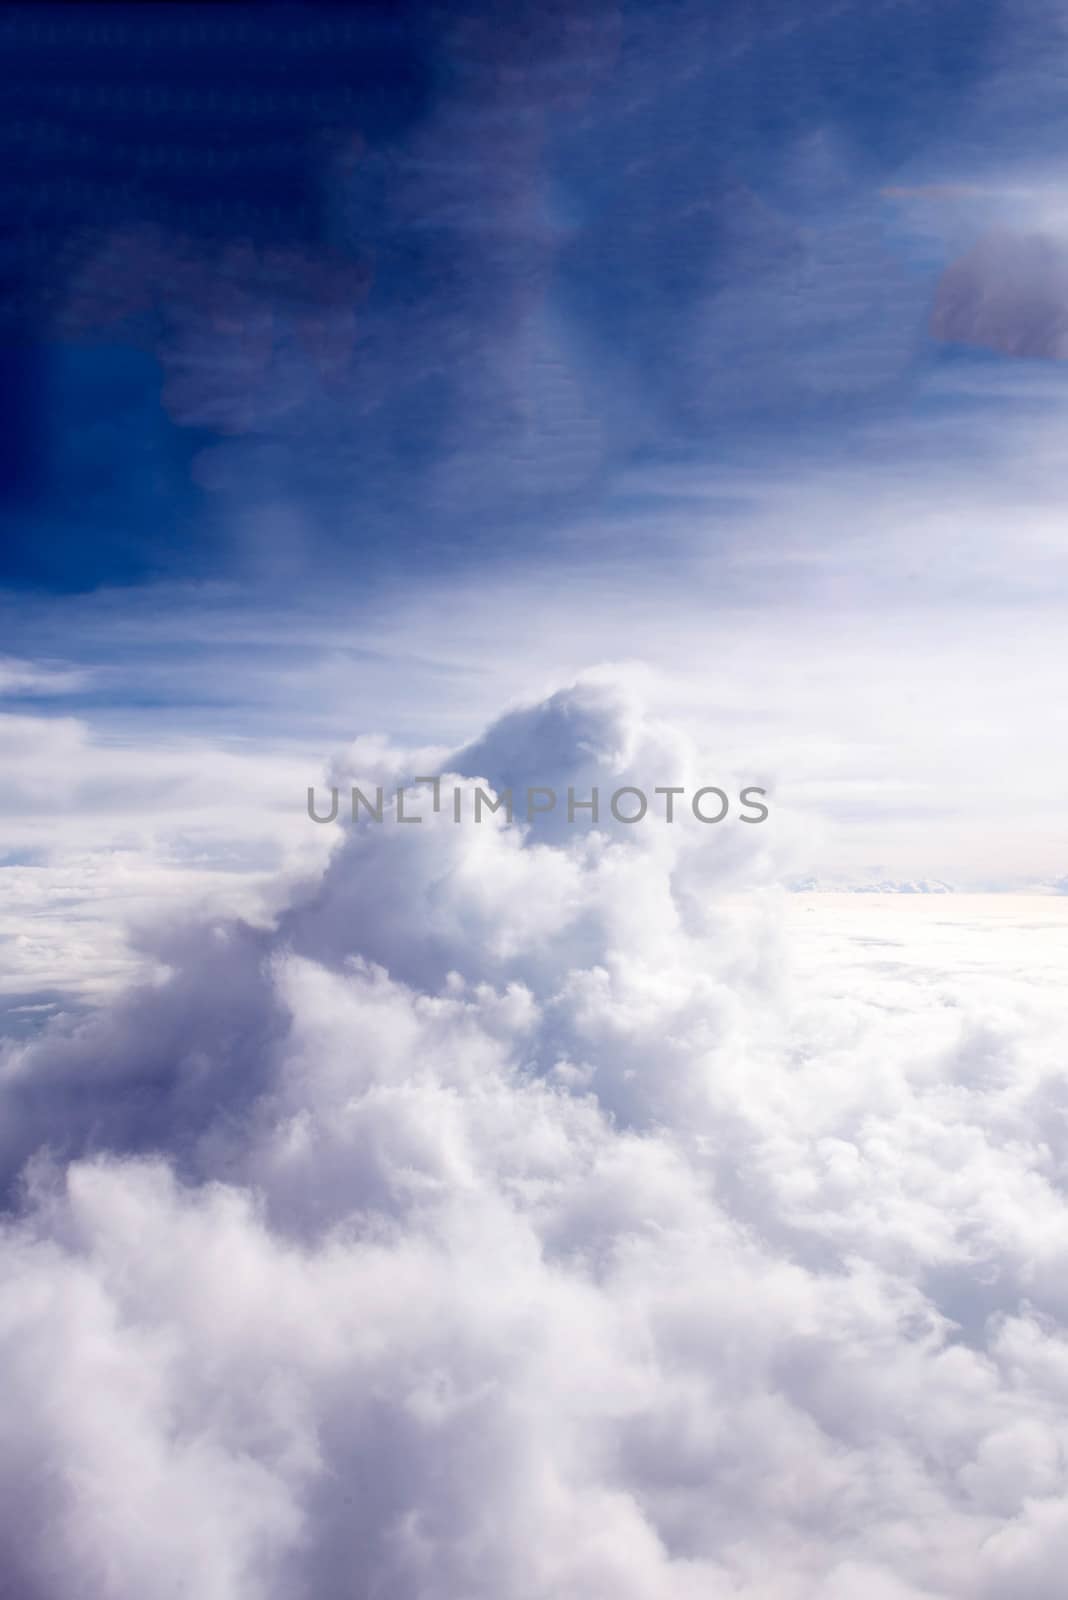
(40, 678)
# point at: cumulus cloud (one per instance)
(529, 1214)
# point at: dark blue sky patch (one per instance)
(304, 292)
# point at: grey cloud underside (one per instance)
(1009, 294)
(516, 1220)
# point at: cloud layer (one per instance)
(532, 1216)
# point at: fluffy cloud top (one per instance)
(519, 1217)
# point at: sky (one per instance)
(365, 361)
(591, 394)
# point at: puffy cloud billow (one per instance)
(520, 1218)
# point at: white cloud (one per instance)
(18, 677)
(594, 1247)
(105, 835)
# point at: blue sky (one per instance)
(433, 280)
(370, 364)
